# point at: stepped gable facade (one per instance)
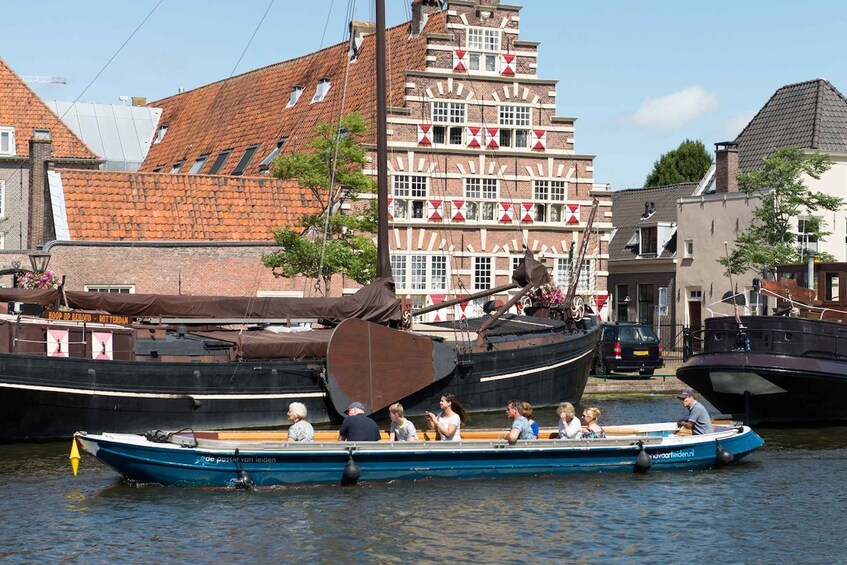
(479, 164)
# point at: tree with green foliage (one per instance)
(771, 238)
(329, 242)
(687, 163)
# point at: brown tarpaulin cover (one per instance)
(266, 344)
(375, 302)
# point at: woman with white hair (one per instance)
(300, 430)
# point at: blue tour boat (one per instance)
(202, 459)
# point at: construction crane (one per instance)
(45, 80)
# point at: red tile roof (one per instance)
(251, 109)
(22, 109)
(118, 205)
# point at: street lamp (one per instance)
(39, 259)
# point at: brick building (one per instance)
(479, 165)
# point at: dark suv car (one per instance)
(626, 347)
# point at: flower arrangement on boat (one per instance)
(548, 295)
(43, 280)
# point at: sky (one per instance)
(639, 76)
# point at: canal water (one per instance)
(784, 503)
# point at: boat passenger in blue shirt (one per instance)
(527, 412)
(520, 426)
(698, 420)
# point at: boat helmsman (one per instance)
(698, 420)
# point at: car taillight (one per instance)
(660, 349)
(618, 349)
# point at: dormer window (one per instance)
(321, 90)
(7, 141)
(160, 134)
(648, 241)
(295, 95)
(267, 161)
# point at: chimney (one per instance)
(40, 151)
(358, 31)
(726, 166)
(421, 9)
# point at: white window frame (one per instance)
(515, 123)
(2, 199)
(321, 90)
(654, 240)
(177, 167)
(9, 134)
(112, 288)
(420, 273)
(550, 197)
(296, 92)
(483, 46)
(755, 302)
(482, 196)
(805, 240)
(483, 270)
(449, 118)
(562, 274)
(688, 248)
(409, 193)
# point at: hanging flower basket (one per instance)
(44, 281)
(548, 296)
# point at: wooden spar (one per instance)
(582, 247)
(500, 311)
(474, 296)
(383, 264)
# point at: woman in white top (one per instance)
(449, 421)
(569, 425)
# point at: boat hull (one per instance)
(219, 463)
(47, 398)
(782, 371)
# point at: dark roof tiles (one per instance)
(806, 115)
(628, 208)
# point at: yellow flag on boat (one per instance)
(74, 456)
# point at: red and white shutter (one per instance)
(474, 136)
(507, 212)
(571, 213)
(459, 309)
(539, 140)
(424, 134)
(435, 210)
(390, 208)
(459, 210)
(436, 315)
(527, 212)
(602, 307)
(507, 64)
(57, 343)
(460, 61)
(492, 138)
(101, 345)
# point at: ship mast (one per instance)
(383, 265)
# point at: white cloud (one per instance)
(735, 124)
(674, 110)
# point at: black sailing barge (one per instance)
(786, 368)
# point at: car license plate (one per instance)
(641, 353)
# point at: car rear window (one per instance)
(637, 334)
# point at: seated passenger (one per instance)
(300, 429)
(569, 425)
(520, 426)
(358, 427)
(591, 429)
(527, 412)
(401, 428)
(449, 421)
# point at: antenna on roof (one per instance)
(45, 80)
